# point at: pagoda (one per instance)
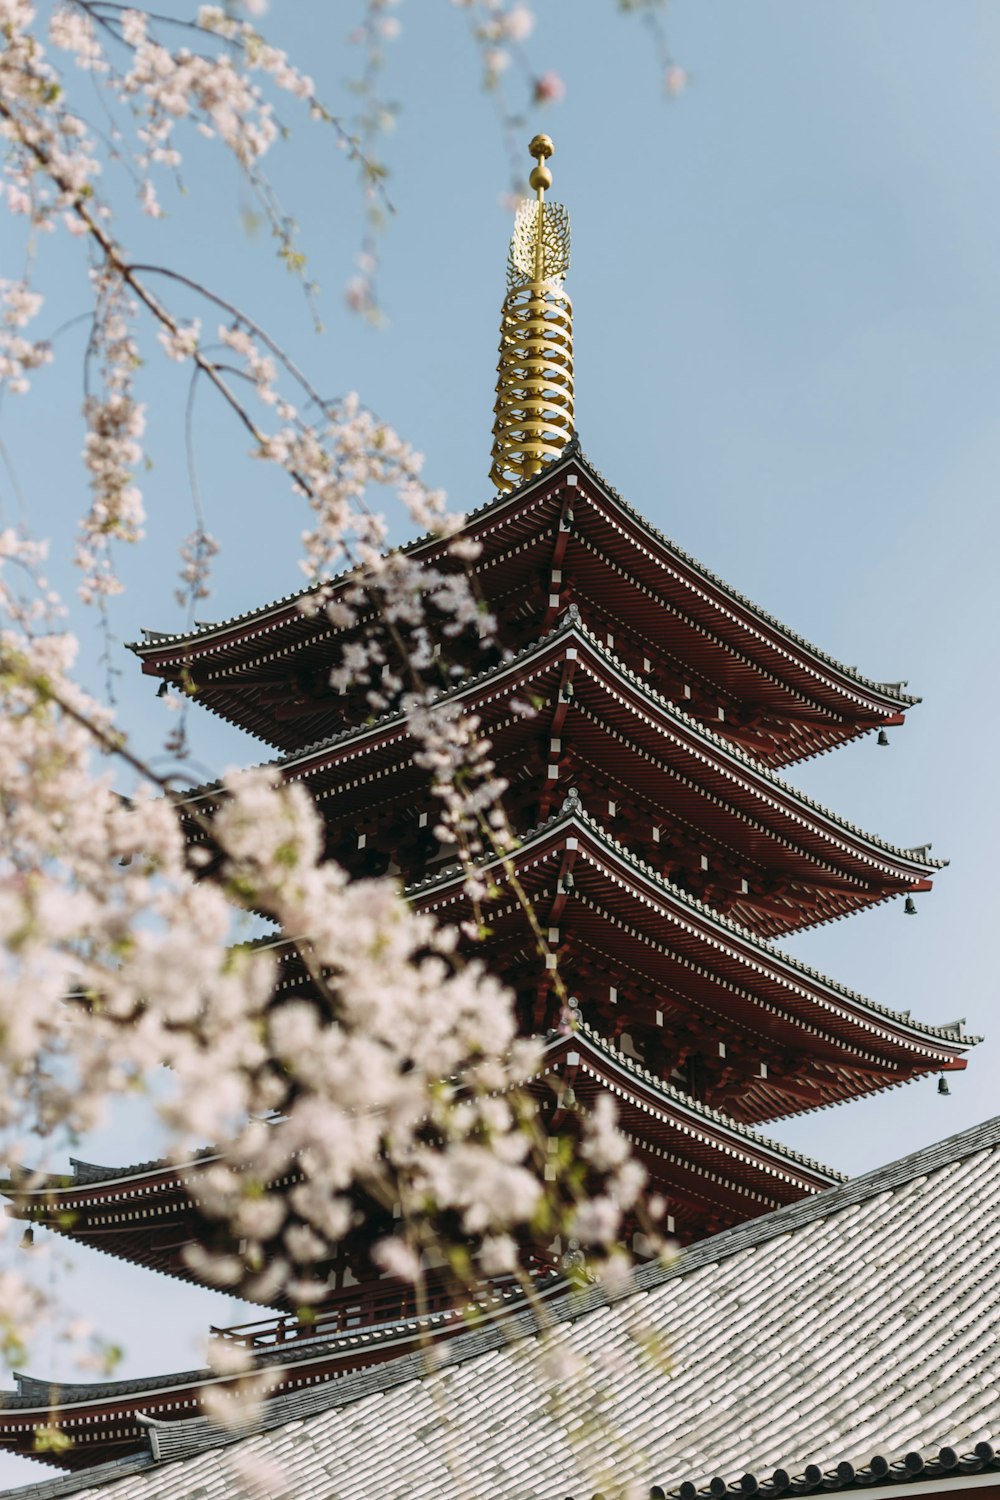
(662, 853)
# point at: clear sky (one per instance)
(787, 326)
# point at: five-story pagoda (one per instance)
(659, 849)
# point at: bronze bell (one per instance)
(943, 1085)
(883, 738)
(909, 908)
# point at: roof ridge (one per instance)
(573, 808)
(60, 1182)
(603, 1044)
(391, 715)
(894, 689)
(600, 1044)
(738, 753)
(576, 456)
(568, 622)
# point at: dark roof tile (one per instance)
(801, 1401)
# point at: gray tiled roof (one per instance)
(862, 1322)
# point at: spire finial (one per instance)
(534, 406)
(541, 148)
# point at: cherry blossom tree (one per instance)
(400, 1081)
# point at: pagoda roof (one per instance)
(723, 622)
(862, 1046)
(809, 1351)
(739, 789)
(573, 813)
(720, 1166)
(709, 1132)
(141, 1213)
(614, 1064)
(746, 1168)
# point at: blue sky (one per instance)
(787, 308)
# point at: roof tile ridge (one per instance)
(289, 1406)
(71, 1392)
(950, 1461)
(793, 1216)
(161, 637)
(698, 1107)
(391, 715)
(59, 1182)
(894, 689)
(549, 1286)
(96, 1174)
(81, 1481)
(575, 808)
(331, 580)
(738, 753)
(447, 872)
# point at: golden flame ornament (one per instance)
(533, 418)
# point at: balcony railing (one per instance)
(383, 1304)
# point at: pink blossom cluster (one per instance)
(112, 450)
(197, 552)
(500, 29)
(167, 86)
(18, 354)
(392, 1081)
(394, 1078)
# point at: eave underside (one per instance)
(730, 832)
(779, 697)
(712, 1172)
(686, 978)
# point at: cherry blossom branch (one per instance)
(389, 1069)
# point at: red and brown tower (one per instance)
(663, 853)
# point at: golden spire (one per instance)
(533, 419)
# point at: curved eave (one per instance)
(714, 768)
(97, 1183)
(760, 626)
(140, 1214)
(130, 1197)
(735, 623)
(930, 1047)
(641, 1093)
(657, 1116)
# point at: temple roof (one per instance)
(732, 1159)
(740, 802)
(87, 1174)
(845, 1330)
(891, 691)
(715, 745)
(834, 701)
(610, 1061)
(740, 954)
